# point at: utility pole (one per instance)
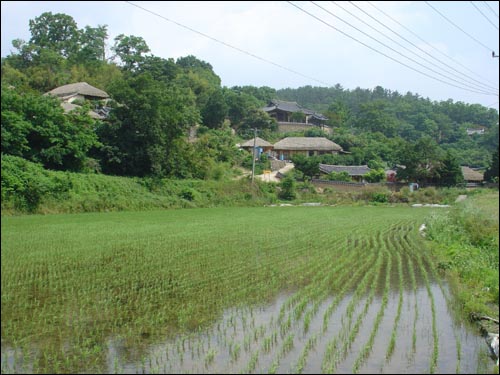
(253, 152)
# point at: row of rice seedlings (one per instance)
(365, 351)
(333, 353)
(435, 351)
(449, 304)
(343, 281)
(392, 342)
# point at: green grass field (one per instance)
(70, 283)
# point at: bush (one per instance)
(287, 189)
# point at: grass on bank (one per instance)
(466, 244)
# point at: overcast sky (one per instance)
(318, 49)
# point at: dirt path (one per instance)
(271, 177)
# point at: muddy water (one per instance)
(254, 340)
(244, 332)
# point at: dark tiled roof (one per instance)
(291, 107)
(353, 170)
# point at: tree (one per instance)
(309, 166)
(256, 119)
(91, 43)
(57, 32)
(152, 116)
(450, 172)
(130, 50)
(492, 171)
(215, 111)
(422, 161)
(36, 128)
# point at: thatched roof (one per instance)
(291, 107)
(471, 175)
(307, 143)
(353, 170)
(259, 142)
(81, 88)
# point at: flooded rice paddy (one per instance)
(354, 296)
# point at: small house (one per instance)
(261, 145)
(471, 176)
(74, 93)
(307, 146)
(356, 172)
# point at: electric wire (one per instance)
(480, 86)
(427, 43)
(487, 19)
(366, 45)
(424, 51)
(490, 8)
(458, 27)
(229, 45)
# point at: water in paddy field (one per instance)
(274, 338)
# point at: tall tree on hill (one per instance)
(492, 171)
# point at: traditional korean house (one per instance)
(308, 146)
(292, 117)
(356, 172)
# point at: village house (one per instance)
(292, 117)
(307, 146)
(356, 172)
(472, 177)
(80, 92)
(261, 145)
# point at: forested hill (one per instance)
(156, 101)
(362, 115)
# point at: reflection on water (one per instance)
(273, 338)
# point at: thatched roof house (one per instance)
(307, 146)
(259, 142)
(471, 175)
(79, 90)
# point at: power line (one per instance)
(366, 45)
(481, 84)
(490, 8)
(479, 10)
(458, 27)
(230, 46)
(427, 43)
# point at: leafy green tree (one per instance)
(339, 176)
(288, 189)
(141, 137)
(256, 119)
(36, 128)
(308, 166)
(375, 175)
(57, 32)
(215, 110)
(91, 44)
(492, 171)
(130, 50)
(449, 171)
(422, 161)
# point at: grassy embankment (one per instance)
(466, 246)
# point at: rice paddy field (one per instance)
(229, 290)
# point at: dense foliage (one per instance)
(157, 102)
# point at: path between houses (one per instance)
(271, 177)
